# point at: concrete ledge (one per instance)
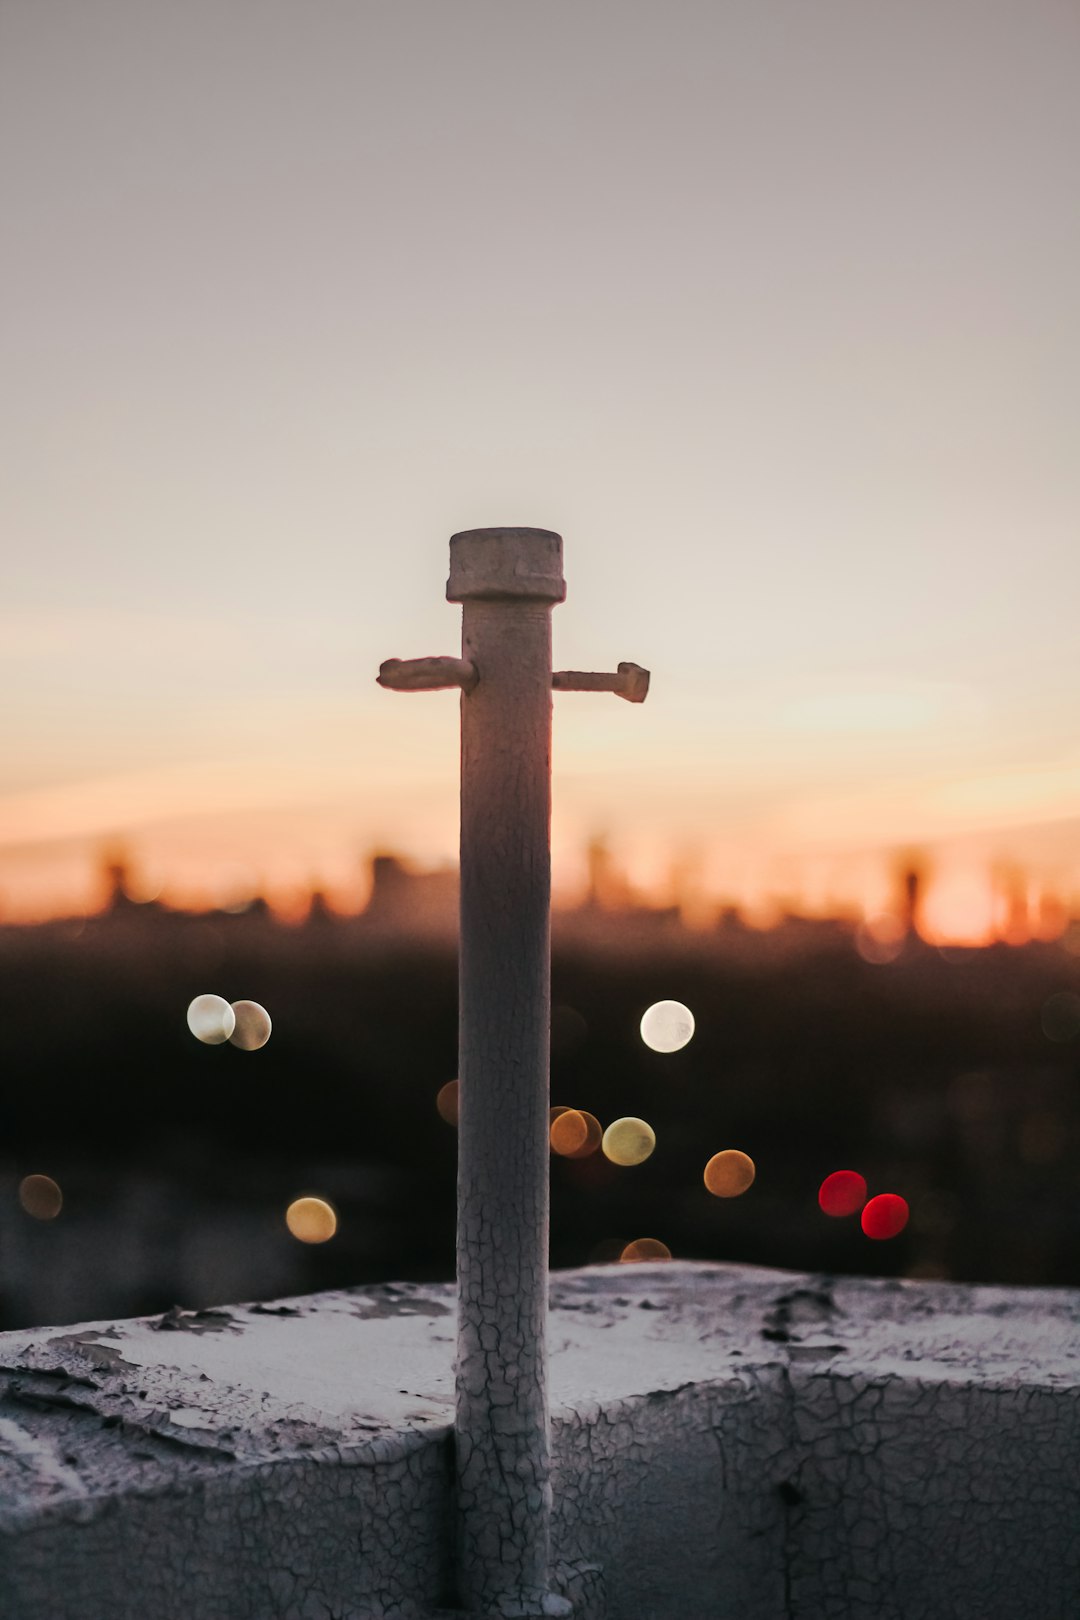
(728, 1441)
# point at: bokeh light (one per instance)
(730, 1173)
(885, 1216)
(311, 1220)
(644, 1249)
(252, 1027)
(447, 1102)
(569, 1132)
(588, 1144)
(628, 1141)
(842, 1193)
(40, 1197)
(880, 939)
(1061, 1016)
(211, 1019)
(594, 1135)
(667, 1026)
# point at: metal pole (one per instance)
(507, 580)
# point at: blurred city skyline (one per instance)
(215, 858)
(400, 898)
(945, 1076)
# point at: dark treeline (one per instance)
(934, 1075)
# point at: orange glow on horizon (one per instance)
(964, 900)
(959, 910)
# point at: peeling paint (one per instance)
(908, 1451)
(177, 1320)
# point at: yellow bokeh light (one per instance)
(311, 1220)
(40, 1197)
(628, 1141)
(252, 1027)
(667, 1026)
(644, 1249)
(730, 1173)
(447, 1102)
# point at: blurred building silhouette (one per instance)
(608, 888)
(911, 895)
(115, 876)
(117, 883)
(404, 901)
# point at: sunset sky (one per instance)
(768, 306)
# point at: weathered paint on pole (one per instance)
(507, 580)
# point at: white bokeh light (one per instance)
(211, 1019)
(667, 1026)
(252, 1027)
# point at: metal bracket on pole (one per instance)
(630, 681)
(427, 674)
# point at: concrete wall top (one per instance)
(799, 1446)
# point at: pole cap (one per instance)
(506, 564)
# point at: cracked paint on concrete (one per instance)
(903, 1452)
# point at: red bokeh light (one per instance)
(842, 1193)
(885, 1216)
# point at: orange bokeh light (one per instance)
(580, 1136)
(311, 1220)
(644, 1249)
(728, 1174)
(447, 1102)
(569, 1132)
